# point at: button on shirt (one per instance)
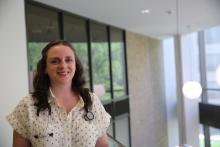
(60, 129)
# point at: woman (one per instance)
(60, 112)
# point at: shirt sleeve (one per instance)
(101, 116)
(18, 119)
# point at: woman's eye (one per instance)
(54, 61)
(69, 60)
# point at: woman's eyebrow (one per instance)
(58, 58)
(51, 58)
(69, 56)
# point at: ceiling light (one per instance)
(192, 89)
(145, 11)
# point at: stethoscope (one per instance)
(89, 115)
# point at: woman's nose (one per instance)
(62, 64)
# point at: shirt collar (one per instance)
(80, 104)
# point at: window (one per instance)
(100, 60)
(211, 91)
(75, 32)
(42, 27)
(118, 65)
(212, 52)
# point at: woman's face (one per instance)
(60, 65)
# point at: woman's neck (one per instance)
(60, 91)
(65, 97)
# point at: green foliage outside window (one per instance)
(100, 67)
(82, 53)
(34, 53)
(118, 69)
(213, 143)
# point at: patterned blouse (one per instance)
(60, 129)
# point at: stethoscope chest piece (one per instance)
(89, 116)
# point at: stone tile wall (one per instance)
(146, 90)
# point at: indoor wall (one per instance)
(13, 62)
(146, 90)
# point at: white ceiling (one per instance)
(193, 15)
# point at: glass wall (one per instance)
(212, 54)
(100, 60)
(75, 33)
(118, 63)
(42, 27)
(100, 47)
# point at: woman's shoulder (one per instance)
(27, 100)
(94, 97)
(96, 101)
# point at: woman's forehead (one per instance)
(60, 49)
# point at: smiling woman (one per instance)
(60, 111)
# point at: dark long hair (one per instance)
(41, 82)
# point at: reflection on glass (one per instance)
(75, 32)
(118, 65)
(212, 45)
(42, 27)
(100, 58)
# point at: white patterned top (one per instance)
(59, 129)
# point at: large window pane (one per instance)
(118, 65)
(42, 27)
(75, 33)
(100, 60)
(212, 45)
